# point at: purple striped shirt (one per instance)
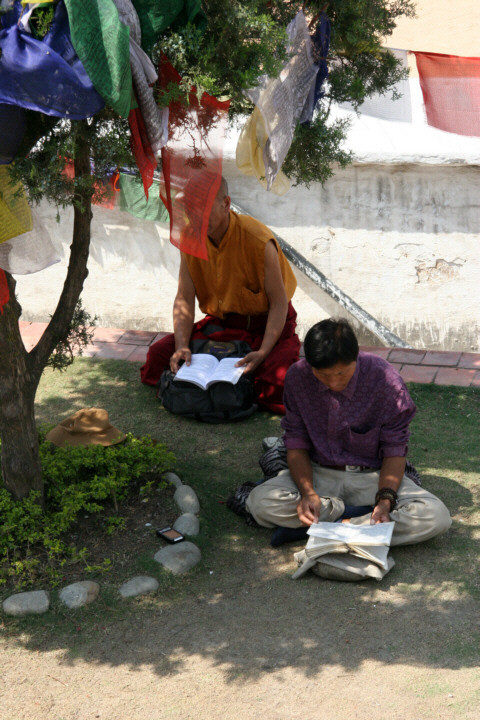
(358, 426)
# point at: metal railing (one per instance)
(362, 316)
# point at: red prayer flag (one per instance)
(4, 291)
(191, 163)
(141, 148)
(104, 191)
(451, 91)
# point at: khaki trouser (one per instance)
(418, 516)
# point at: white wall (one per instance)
(440, 26)
(403, 241)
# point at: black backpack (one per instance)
(221, 402)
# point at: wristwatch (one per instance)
(387, 494)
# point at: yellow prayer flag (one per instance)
(15, 215)
(249, 156)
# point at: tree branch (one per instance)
(13, 356)
(58, 326)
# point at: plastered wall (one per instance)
(402, 241)
(440, 26)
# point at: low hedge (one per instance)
(92, 479)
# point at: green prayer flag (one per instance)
(156, 17)
(102, 42)
(133, 200)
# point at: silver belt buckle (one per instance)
(353, 468)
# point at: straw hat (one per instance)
(89, 426)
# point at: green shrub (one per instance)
(93, 479)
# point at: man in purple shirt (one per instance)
(346, 434)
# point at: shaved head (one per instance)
(222, 190)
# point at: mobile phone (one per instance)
(170, 535)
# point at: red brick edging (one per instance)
(420, 366)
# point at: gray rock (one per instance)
(186, 499)
(179, 558)
(187, 524)
(34, 602)
(79, 594)
(139, 585)
(174, 479)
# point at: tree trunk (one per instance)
(20, 372)
(19, 450)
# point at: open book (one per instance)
(205, 370)
(371, 542)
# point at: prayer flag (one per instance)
(133, 200)
(101, 41)
(451, 91)
(4, 291)
(249, 154)
(141, 148)
(44, 75)
(382, 106)
(154, 118)
(192, 163)
(30, 252)
(15, 216)
(103, 190)
(106, 191)
(282, 100)
(320, 46)
(156, 17)
(144, 74)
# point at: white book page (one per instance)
(376, 553)
(199, 371)
(319, 546)
(227, 372)
(380, 534)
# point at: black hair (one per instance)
(330, 342)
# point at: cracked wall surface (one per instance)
(442, 271)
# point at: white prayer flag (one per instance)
(281, 100)
(29, 252)
(382, 106)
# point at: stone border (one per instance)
(178, 559)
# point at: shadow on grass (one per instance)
(239, 608)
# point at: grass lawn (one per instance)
(214, 459)
(418, 628)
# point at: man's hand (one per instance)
(251, 361)
(181, 354)
(381, 513)
(308, 508)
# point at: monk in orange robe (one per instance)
(245, 289)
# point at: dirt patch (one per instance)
(112, 548)
(140, 516)
(245, 641)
